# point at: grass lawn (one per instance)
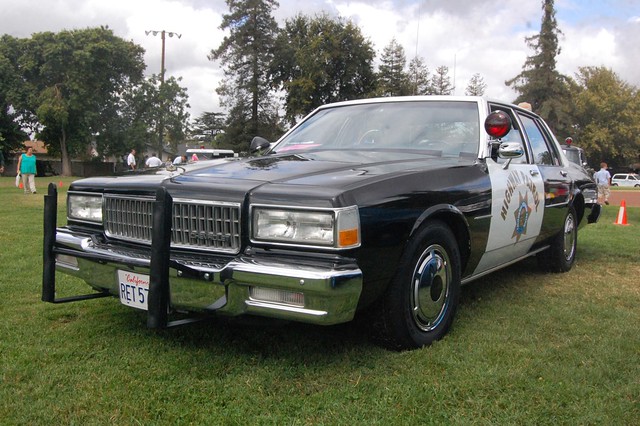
(526, 348)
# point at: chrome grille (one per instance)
(195, 224)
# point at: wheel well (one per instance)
(578, 205)
(460, 229)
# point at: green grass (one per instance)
(526, 348)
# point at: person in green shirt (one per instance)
(27, 168)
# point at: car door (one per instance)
(555, 175)
(517, 203)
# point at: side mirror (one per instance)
(258, 143)
(508, 150)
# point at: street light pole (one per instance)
(455, 56)
(162, 33)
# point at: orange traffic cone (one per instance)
(20, 186)
(60, 184)
(622, 214)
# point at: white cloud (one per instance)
(468, 37)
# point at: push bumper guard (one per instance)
(332, 291)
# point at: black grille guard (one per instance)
(158, 305)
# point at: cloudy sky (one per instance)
(468, 36)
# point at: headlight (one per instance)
(339, 228)
(85, 207)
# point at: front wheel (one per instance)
(420, 303)
(561, 256)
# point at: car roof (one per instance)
(447, 98)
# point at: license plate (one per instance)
(134, 289)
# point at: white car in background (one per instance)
(626, 179)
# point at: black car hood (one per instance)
(319, 168)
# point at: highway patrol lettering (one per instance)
(515, 179)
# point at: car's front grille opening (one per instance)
(196, 224)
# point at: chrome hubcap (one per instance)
(431, 282)
(569, 237)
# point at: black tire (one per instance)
(420, 303)
(561, 255)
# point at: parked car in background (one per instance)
(210, 153)
(385, 206)
(626, 179)
(576, 155)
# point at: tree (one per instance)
(476, 86)
(11, 134)
(133, 121)
(540, 83)
(419, 81)
(392, 79)
(607, 113)
(441, 83)
(68, 79)
(246, 55)
(206, 127)
(321, 60)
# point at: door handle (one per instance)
(534, 172)
(563, 173)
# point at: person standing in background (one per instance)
(603, 180)
(1, 161)
(153, 161)
(27, 168)
(131, 160)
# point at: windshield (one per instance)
(444, 128)
(573, 156)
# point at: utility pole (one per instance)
(162, 33)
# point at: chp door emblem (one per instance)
(521, 214)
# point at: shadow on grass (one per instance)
(276, 339)
(250, 336)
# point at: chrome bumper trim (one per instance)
(331, 290)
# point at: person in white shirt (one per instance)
(180, 159)
(153, 161)
(603, 180)
(131, 160)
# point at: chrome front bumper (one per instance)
(227, 286)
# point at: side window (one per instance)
(543, 152)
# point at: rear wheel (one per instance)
(421, 301)
(561, 256)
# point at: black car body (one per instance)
(389, 204)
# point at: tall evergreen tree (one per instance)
(476, 86)
(419, 81)
(540, 83)
(207, 126)
(246, 54)
(391, 76)
(441, 83)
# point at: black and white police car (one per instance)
(387, 204)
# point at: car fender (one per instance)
(455, 219)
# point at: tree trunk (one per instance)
(66, 159)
